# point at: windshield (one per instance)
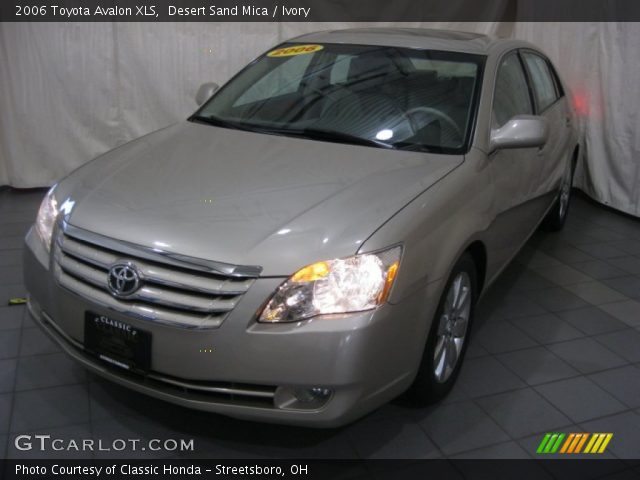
(387, 97)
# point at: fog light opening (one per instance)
(302, 398)
(307, 395)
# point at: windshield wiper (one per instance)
(219, 122)
(336, 136)
(310, 133)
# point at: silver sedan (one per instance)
(312, 241)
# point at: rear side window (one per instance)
(512, 92)
(543, 84)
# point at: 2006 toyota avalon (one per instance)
(310, 243)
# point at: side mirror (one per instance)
(205, 91)
(522, 131)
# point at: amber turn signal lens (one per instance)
(312, 272)
(391, 276)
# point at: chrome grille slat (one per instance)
(149, 294)
(156, 274)
(89, 275)
(137, 310)
(178, 300)
(169, 294)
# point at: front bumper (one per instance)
(243, 368)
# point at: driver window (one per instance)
(511, 96)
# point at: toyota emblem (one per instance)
(123, 279)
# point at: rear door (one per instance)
(551, 104)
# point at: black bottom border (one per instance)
(565, 469)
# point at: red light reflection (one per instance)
(581, 104)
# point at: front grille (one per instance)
(172, 292)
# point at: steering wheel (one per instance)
(439, 115)
(392, 110)
(333, 94)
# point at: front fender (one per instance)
(437, 226)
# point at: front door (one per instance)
(515, 172)
(551, 104)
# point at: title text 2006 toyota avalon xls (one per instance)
(311, 242)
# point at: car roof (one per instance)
(423, 38)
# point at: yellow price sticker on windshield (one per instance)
(294, 50)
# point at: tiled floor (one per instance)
(556, 348)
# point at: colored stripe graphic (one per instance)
(556, 446)
(605, 442)
(552, 442)
(582, 441)
(598, 443)
(565, 447)
(576, 444)
(590, 444)
(543, 443)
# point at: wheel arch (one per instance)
(478, 252)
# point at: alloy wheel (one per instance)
(452, 327)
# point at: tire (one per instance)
(557, 216)
(434, 379)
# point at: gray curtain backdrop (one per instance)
(71, 91)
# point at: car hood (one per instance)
(246, 198)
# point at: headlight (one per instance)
(46, 218)
(345, 285)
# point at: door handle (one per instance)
(567, 121)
